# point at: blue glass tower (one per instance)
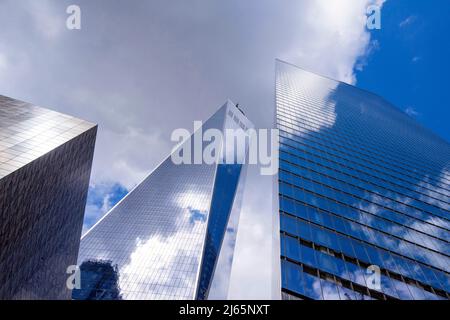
(362, 187)
(173, 235)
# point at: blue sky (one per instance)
(411, 66)
(408, 65)
(101, 198)
(142, 70)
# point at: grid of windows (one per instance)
(45, 165)
(28, 132)
(360, 184)
(151, 245)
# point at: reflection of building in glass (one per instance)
(172, 236)
(101, 280)
(360, 183)
(45, 164)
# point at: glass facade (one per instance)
(45, 165)
(165, 239)
(361, 184)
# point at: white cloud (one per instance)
(164, 66)
(410, 111)
(94, 213)
(251, 274)
(151, 254)
(432, 189)
(177, 67)
(334, 38)
(3, 62)
(45, 16)
(102, 197)
(408, 21)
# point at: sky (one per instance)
(144, 68)
(411, 63)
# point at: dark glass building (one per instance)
(362, 187)
(45, 165)
(173, 235)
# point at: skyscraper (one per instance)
(45, 164)
(362, 187)
(172, 236)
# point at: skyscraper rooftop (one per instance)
(28, 132)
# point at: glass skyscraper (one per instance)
(362, 187)
(45, 165)
(173, 235)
